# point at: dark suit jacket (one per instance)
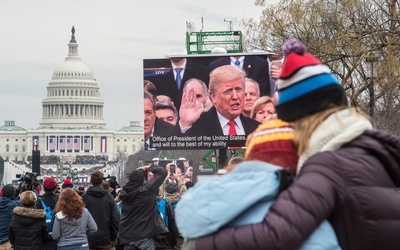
(166, 84)
(208, 124)
(162, 128)
(256, 68)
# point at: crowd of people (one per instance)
(315, 175)
(140, 215)
(78, 159)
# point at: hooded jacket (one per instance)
(6, 212)
(140, 217)
(104, 211)
(28, 228)
(73, 231)
(358, 195)
(205, 209)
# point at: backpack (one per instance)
(167, 240)
(49, 215)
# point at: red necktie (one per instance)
(232, 129)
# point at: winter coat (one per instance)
(6, 212)
(28, 228)
(357, 194)
(49, 198)
(205, 209)
(140, 217)
(104, 211)
(73, 231)
(172, 197)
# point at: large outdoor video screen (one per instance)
(186, 107)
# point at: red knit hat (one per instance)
(49, 184)
(272, 142)
(67, 184)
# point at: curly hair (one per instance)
(70, 204)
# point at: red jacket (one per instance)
(354, 187)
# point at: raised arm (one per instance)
(159, 176)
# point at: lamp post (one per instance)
(371, 61)
(60, 169)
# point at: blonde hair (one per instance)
(304, 127)
(260, 103)
(28, 198)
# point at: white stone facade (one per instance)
(72, 120)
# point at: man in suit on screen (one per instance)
(226, 92)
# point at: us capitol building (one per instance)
(72, 129)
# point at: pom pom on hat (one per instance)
(49, 184)
(67, 184)
(272, 142)
(306, 86)
(293, 45)
(8, 191)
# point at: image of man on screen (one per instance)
(226, 92)
(176, 72)
(200, 91)
(153, 126)
(255, 67)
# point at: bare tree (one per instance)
(119, 166)
(343, 34)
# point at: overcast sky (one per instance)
(113, 36)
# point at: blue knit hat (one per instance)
(306, 86)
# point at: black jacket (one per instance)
(140, 217)
(162, 128)
(28, 228)
(208, 125)
(104, 211)
(49, 198)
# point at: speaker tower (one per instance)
(36, 161)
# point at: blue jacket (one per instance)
(6, 212)
(241, 197)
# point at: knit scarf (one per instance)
(338, 129)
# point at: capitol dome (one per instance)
(10, 126)
(73, 69)
(133, 127)
(73, 96)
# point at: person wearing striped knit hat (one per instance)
(347, 172)
(306, 86)
(244, 195)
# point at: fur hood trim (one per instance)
(29, 212)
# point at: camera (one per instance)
(28, 181)
(112, 181)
